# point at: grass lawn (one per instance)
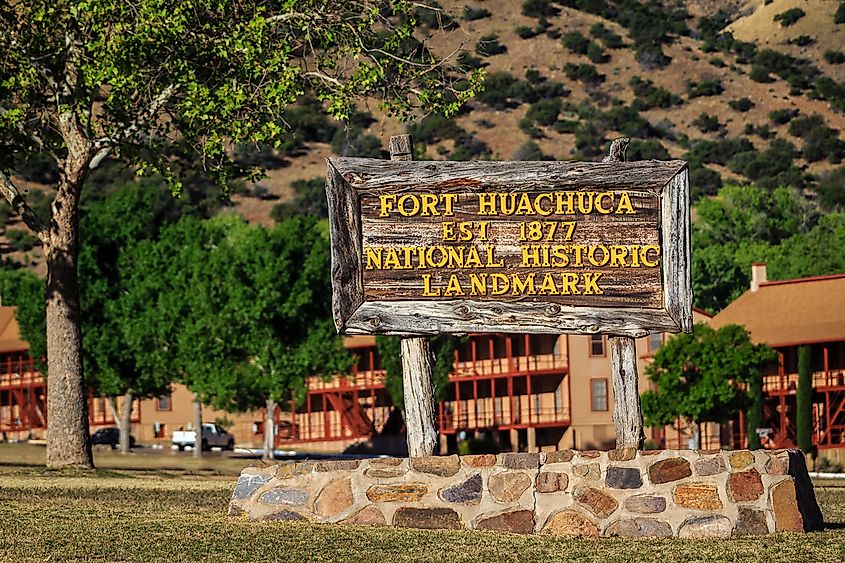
(178, 514)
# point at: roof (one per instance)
(359, 341)
(789, 312)
(10, 338)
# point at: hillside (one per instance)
(742, 91)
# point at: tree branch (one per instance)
(104, 145)
(22, 208)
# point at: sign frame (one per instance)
(350, 178)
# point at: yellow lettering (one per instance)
(625, 205)
(570, 284)
(449, 200)
(487, 204)
(599, 198)
(373, 258)
(478, 284)
(386, 201)
(644, 251)
(427, 292)
(415, 205)
(453, 287)
(523, 287)
(501, 284)
(591, 284)
(605, 255)
(538, 208)
(548, 287)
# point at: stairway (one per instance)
(352, 413)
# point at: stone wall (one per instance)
(617, 493)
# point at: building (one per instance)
(523, 392)
(786, 315)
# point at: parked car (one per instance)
(109, 436)
(212, 435)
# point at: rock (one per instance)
(402, 492)
(508, 486)
(597, 501)
(590, 471)
(668, 470)
(622, 454)
(698, 496)
(623, 478)
(751, 522)
(384, 472)
(741, 460)
(248, 484)
(335, 498)
(481, 460)
(651, 452)
(443, 466)
(570, 523)
(367, 516)
(715, 526)
(645, 504)
(710, 466)
(590, 454)
(294, 469)
(427, 518)
(516, 522)
(391, 461)
(559, 457)
(778, 465)
(283, 515)
(745, 486)
(295, 497)
(785, 506)
(639, 528)
(521, 461)
(551, 482)
(337, 465)
(468, 492)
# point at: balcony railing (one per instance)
(789, 382)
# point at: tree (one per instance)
(240, 314)
(443, 349)
(700, 376)
(804, 400)
(144, 81)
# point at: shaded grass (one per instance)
(125, 517)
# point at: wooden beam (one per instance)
(627, 412)
(416, 361)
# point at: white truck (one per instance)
(212, 436)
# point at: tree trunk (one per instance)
(419, 397)
(627, 414)
(269, 429)
(126, 424)
(68, 438)
(198, 425)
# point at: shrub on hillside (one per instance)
(703, 181)
(589, 141)
(526, 32)
(472, 13)
(353, 141)
(596, 54)
(707, 123)
(575, 42)
(585, 73)
(467, 61)
(544, 112)
(489, 46)
(839, 15)
(741, 104)
(770, 168)
(650, 96)
(834, 57)
(539, 9)
(309, 199)
(530, 151)
(717, 152)
(789, 17)
(647, 149)
(831, 190)
(802, 41)
(434, 128)
(704, 88)
(820, 141)
(782, 116)
(610, 39)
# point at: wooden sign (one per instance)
(540, 247)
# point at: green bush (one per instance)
(489, 46)
(544, 112)
(820, 141)
(39, 168)
(707, 123)
(704, 88)
(782, 116)
(648, 96)
(789, 17)
(530, 151)
(353, 141)
(575, 42)
(309, 199)
(717, 62)
(585, 73)
(802, 41)
(596, 54)
(647, 149)
(472, 13)
(741, 104)
(610, 39)
(589, 141)
(467, 61)
(434, 128)
(770, 168)
(717, 152)
(825, 465)
(839, 15)
(703, 181)
(539, 9)
(525, 32)
(831, 192)
(21, 241)
(651, 57)
(834, 57)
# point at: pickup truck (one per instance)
(212, 435)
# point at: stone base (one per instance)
(625, 493)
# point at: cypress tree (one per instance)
(804, 400)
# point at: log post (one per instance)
(627, 413)
(416, 362)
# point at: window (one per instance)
(597, 345)
(655, 341)
(598, 394)
(163, 403)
